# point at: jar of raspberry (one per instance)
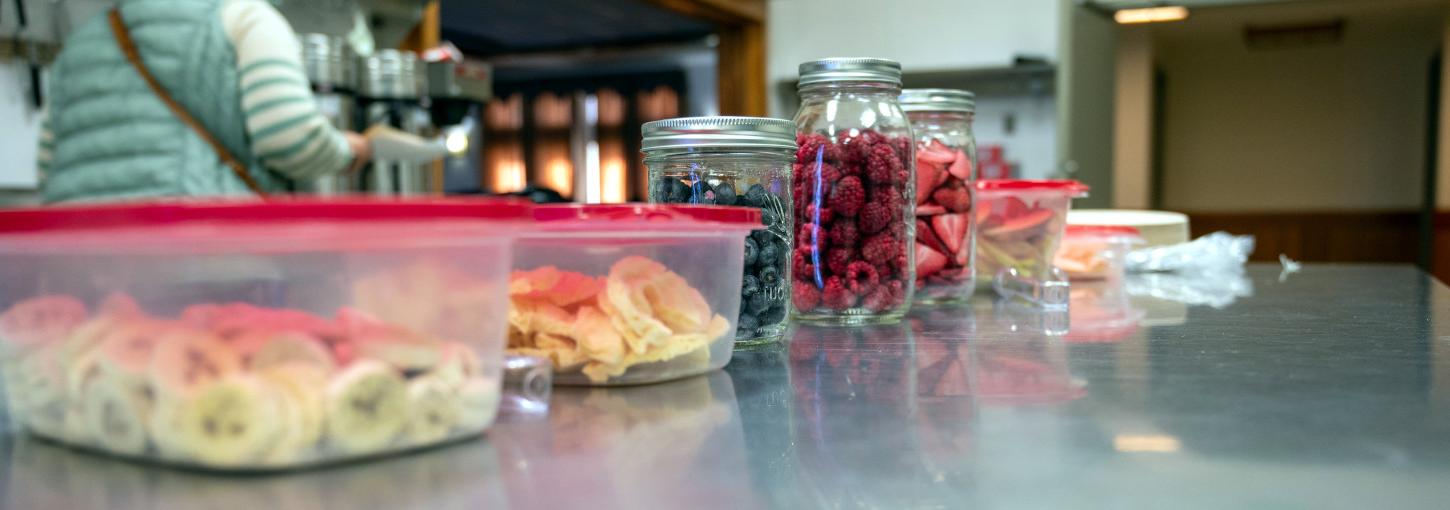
(946, 155)
(855, 194)
(737, 161)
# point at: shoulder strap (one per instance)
(133, 55)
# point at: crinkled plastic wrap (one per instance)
(1216, 289)
(1215, 252)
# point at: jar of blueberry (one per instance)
(737, 161)
(855, 194)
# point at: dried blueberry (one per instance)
(758, 303)
(750, 286)
(747, 324)
(769, 254)
(768, 216)
(769, 277)
(762, 237)
(756, 196)
(679, 192)
(725, 194)
(752, 250)
(773, 314)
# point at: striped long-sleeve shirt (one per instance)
(286, 130)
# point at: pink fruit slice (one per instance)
(925, 235)
(929, 209)
(1014, 207)
(952, 229)
(935, 153)
(962, 167)
(955, 199)
(928, 261)
(926, 180)
(984, 210)
(1021, 224)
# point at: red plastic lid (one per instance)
(251, 212)
(1067, 186)
(648, 216)
(1103, 230)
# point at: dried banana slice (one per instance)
(299, 386)
(367, 406)
(477, 404)
(459, 363)
(115, 415)
(432, 410)
(290, 347)
(184, 360)
(228, 421)
(39, 321)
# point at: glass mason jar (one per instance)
(854, 194)
(946, 161)
(740, 161)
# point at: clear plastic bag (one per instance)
(1212, 253)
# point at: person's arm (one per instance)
(287, 131)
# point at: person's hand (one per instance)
(362, 150)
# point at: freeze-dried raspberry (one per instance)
(805, 295)
(839, 260)
(882, 164)
(843, 233)
(824, 218)
(874, 217)
(816, 147)
(889, 195)
(861, 277)
(835, 295)
(903, 147)
(800, 264)
(813, 175)
(847, 196)
(878, 300)
(811, 235)
(880, 248)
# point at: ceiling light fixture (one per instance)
(1151, 15)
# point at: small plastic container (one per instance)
(1096, 252)
(1019, 225)
(629, 293)
(243, 336)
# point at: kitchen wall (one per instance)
(930, 35)
(1325, 128)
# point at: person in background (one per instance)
(234, 66)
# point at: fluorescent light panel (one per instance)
(1151, 14)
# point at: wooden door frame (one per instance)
(740, 54)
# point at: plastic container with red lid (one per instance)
(1019, 224)
(629, 293)
(242, 335)
(1096, 252)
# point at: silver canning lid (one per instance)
(938, 100)
(718, 132)
(326, 60)
(391, 74)
(828, 70)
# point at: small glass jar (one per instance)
(946, 155)
(738, 161)
(855, 192)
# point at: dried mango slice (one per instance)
(640, 332)
(533, 283)
(677, 304)
(597, 337)
(562, 350)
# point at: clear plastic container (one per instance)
(1096, 252)
(740, 161)
(946, 153)
(255, 336)
(629, 293)
(1019, 225)
(854, 189)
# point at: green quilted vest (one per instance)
(115, 140)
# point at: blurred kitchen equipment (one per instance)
(1159, 228)
(330, 69)
(390, 86)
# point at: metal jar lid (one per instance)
(718, 132)
(828, 70)
(391, 74)
(326, 60)
(938, 100)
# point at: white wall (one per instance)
(1322, 128)
(19, 128)
(921, 34)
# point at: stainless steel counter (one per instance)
(1328, 388)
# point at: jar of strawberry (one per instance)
(945, 160)
(854, 193)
